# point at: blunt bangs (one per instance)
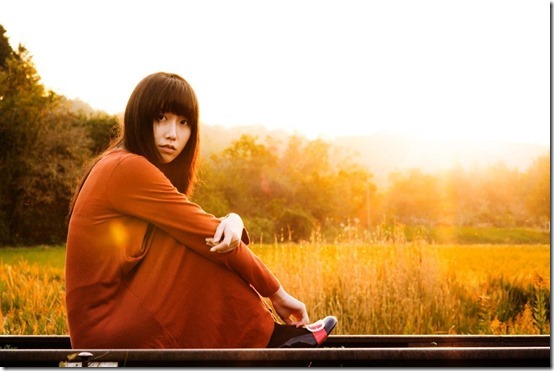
(171, 93)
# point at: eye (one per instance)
(161, 117)
(184, 122)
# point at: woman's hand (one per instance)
(230, 229)
(290, 309)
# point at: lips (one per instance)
(167, 148)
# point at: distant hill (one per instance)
(383, 154)
(215, 138)
(386, 153)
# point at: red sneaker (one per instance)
(317, 334)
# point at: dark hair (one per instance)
(157, 93)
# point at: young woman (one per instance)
(147, 268)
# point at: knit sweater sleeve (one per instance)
(139, 189)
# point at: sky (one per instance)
(444, 70)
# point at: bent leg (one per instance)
(202, 304)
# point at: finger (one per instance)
(210, 241)
(236, 240)
(228, 239)
(219, 232)
(288, 321)
(233, 245)
(303, 319)
(220, 247)
(303, 322)
(229, 243)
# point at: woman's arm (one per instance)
(139, 189)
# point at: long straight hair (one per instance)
(157, 93)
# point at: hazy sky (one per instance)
(441, 69)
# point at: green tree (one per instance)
(43, 146)
(46, 183)
(537, 195)
(414, 198)
(240, 179)
(246, 165)
(209, 193)
(6, 50)
(462, 198)
(502, 196)
(100, 129)
(283, 197)
(307, 179)
(22, 109)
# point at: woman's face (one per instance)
(171, 134)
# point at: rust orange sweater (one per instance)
(140, 275)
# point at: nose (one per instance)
(171, 130)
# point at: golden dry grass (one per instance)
(31, 299)
(372, 289)
(419, 289)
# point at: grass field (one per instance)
(405, 288)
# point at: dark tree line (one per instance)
(43, 146)
(293, 192)
(296, 190)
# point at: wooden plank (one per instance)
(342, 341)
(338, 350)
(435, 356)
